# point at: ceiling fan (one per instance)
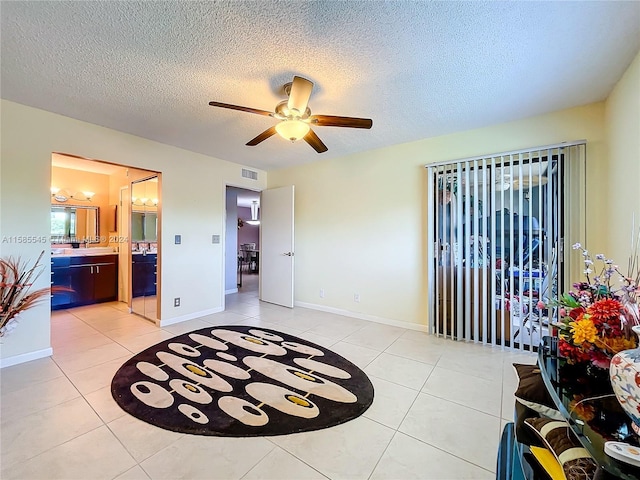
(295, 119)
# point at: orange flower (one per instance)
(605, 308)
(616, 344)
(581, 408)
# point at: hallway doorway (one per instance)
(242, 241)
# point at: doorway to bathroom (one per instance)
(110, 253)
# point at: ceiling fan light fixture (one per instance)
(292, 129)
(294, 117)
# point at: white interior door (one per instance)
(276, 246)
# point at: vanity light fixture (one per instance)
(254, 214)
(144, 202)
(63, 195)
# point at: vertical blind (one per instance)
(497, 227)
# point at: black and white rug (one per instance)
(241, 381)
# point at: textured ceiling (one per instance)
(418, 69)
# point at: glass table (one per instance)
(584, 397)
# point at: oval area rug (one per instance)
(241, 381)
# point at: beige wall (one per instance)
(193, 196)
(361, 219)
(623, 173)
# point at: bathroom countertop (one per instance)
(82, 252)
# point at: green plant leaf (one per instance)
(569, 301)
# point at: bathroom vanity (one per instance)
(90, 273)
(143, 273)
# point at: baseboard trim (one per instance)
(189, 316)
(233, 290)
(25, 357)
(364, 316)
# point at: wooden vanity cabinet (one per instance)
(144, 274)
(61, 277)
(93, 279)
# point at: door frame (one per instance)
(224, 240)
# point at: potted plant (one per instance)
(16, 296)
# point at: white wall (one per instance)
(361, 219)
(231, 242)
(193, 197)
(623, 173)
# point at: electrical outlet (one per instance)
(356, 297)
(322, 293)
(176, 302)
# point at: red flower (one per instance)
(605, 309)
(600, 359)
(572, 353)
(576, 312)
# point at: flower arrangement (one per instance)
(16, 281)
(596, 317)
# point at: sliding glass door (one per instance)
(496, 238)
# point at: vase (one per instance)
(8, 325)
(624, 373)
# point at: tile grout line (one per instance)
(446, 452)
(287, 452)
(399, 425)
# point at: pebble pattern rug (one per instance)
(241, 381)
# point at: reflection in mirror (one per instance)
(144, 226)
(144, 237)
(74, 224)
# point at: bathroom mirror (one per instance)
(71, 223)
(144, 247)
(144, 226)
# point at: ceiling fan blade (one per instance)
(242, 109)
(299, 94)
(312, 139)
(333, 121)
(262, 137)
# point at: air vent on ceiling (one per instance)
(249, 174)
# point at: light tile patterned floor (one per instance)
(438, 411)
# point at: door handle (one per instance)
(288, 254)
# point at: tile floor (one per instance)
(438, 411)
